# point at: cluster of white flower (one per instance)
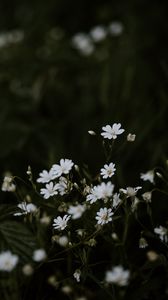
(85, 43)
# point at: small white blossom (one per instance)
(76, 211)
(39, 255)
(83, 43)
(26, 208)
(45, 176)
(101, 191)
(61, 223)
(8, 261)
(130, 191)
(64, 167)
(143, 243)
(131, 137)
(111, 132)
(77, 275)
(108, 170)
(147, 196)
(93, 195)
(62, 240)
(116, 28)
(49, 191)
(148, 176)
(104, 216)
(116, 200)
(118, 276)
(98, 33)
(162, 232)
(8, 185)
(63, 186)
(27, 270)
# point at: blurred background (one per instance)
(70, 66)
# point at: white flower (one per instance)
(49, 191)
(8, 261)
(77, 275)
(148, 176)
(26, 208)
(63, 186)
(108, 170)
(62, 240)
(83, 43)
(98, 33)
(64, 167)
(8, 185)
(116, 28)
(162, 232)
(27, 270)
(147, 196)
(143, 243)
(116, 200)
(111, 132)
(45, 176)
(131, 137)
(118, 275)
(39, 255)
(76, 211)
(94, 195)
(104, 216)
(105, 190)
(61, 223)
(130, 191)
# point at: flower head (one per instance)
(118, 276)
(130, 191)
(111, 132)
(8, 261)
(39, 255)
(116, 28)
(64, 167)
(45, 176)
(98, 33)
(108, 170)
(63, 186)
(8, 185)
(83, 43)
(104, 216)
(49, 191)
(77, 275)
(148, 176)
(76, 211)
(162, 232)
(25, 208)
(61, 223)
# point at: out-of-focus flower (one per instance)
(8, 185)
(8, 261)
(147, 196)
(61, 223)
(130, 191)
(108, 170)
(64, 167)
(116, 28)
(66, 289)
(98, 33)
(152, 255)
(118, 276)
(11, 37)
(131, 137)
(63, 186)
(162, 232)
(104, 216)
(111, 132)
(39, 255)
(26, 209)
(143, 243)
(76, 211)
(83, 43)
(91, 132)
(77, 275)
(49, 191)
(148, 176)
(116, 200)
(27, 270)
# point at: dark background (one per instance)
(51, 95)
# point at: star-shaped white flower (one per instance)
(64, 167)
(111, 132)
(26, 208)
(148, 176)
(61, 223)
(108, 170)
(104, 216)
(49, 191)
(45, 176)
(76, 211)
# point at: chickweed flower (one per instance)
(49, 191)
(108, 170)
(64, 167)
(76, 211)
(162, 232)
(61, 223)
(116, 28)
(148, 176)
(116, 200)
(39, 255)
(98, 33)
(8, 185)
(101, 191)
(26, 209)
(77, 275)
(131, 137)
(45, 176)
(104, 216)
(130, 191)
(118, 276)
(8, 261)
(111, 132)
(83, 43)
(147, 196)
(63, 186)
